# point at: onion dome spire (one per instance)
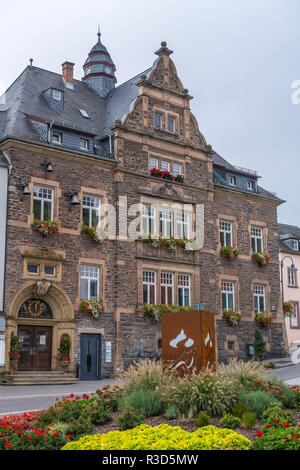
(99, 69)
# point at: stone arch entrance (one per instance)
(42, 316)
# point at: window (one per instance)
(295, 245)
(138, 347)
(167, 288)
(291, 277)
(149, 287)
(256, 240)
(33, 269)
(176, 169)
(225, 233)
(153, 163)
(57, 95)
(165, 166)
(232, 180)
(230, 346)
(295, 316)
(148, 219)
(89, 284)
(259, 298)
(166, 223)
(182, 225)
(250, 185)
(91, 211)
(49, 270)
(158, 120)
(57, 137)
(84, 113)
(43, 203)
(171, 124)
(228, 298)
(84, 144)
(184, 289)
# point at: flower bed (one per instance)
(278, 436)
(262, 258)
(163, 437)
(96, 234)
(263, 319)
(5, 373)
(232, 317)
(26, 420)
(91, 308)
(288, 309)
(45, 227)
(155, 311)
(229, 252)
(16, 437)
(171, 243)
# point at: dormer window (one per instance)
(250, 185)
(84, 144)
(295, 245)
(57, 95)
(57, 137)
(232, 180)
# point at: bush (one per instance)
(130, 419)
(143, 401)
(145, 374)
(111, 397)
(259, 345)
(202, 419)
(276, 412)
(171, 412)
(278, 436)
(243, 373)
(17, 438)
(205, 391)
(230, 421)
(79, 427)
(163, 437)
(249, 420)
(98, 414)
(257, 402)
(239, 409)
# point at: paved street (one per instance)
(16, 399)
(290, 375)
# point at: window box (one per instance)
(91, 308)
(232, 317)
(179, 178)
(262, 258)
(263, 319)
(229, 252)
(288, 309)
(167, 175)
(170, 242)
(96, 234)
(155, 311)
(45, 227)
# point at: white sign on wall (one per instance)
(108, 351)
(2, 350)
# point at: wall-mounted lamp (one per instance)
(292, 268)
(24, 189)
(47, 167)
(73, 198)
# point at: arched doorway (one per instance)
(35, 341)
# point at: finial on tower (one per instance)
(163, 50)
(98, 34)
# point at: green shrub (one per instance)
(202, 419)
(111, 397)
(239, 409)
(79, 427)
(98, 414)
(171, 412)
(230, 421)
(47, 417)
(163, 437)
(205, 391)
(145, 374)
(259, 345)
(278, 437)
(130, 418)
(276, 412)
(249, 420)
(144, 402)
(257, 402)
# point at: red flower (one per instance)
(259, 433)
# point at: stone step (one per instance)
(43, 378)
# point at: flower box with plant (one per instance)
(155, 311)
(232, 317)
(97, 234)
(179, 178)
(91, 308)
(64, 349)
(5, 373)
(229, 252)
(262, 258)
(288, 309)
(263, 319)
(45, 227)
(14, 352)
(6, 377)
(171, 243)
(166, 175)
(156, 172)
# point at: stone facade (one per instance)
(122, 260)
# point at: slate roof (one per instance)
(285, 232)
(3, 160)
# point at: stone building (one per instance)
(75, 147)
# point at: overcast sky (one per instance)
(238, 58)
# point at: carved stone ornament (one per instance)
(41, 288)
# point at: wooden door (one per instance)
(35, 347)
(26, 335)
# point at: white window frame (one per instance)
(164, 166)
(59, 137)
(57, 94)
(160, 120)
(291, 277)
(153, 163)
(50, 266)
(32, 273)
(87, 200)
(184, 285)
(43, 198)
(250, 185)
(228, 290)
(167, 280)
(149, 279)
(148, 219)
(256, 236)
(89, 273)
(183, 224)
(176, 169)
(295, 244)
(225, 229)
(295, 316)
(259, 292)
(232, 180)
(170, 118)
(84, 144)
(165, 220)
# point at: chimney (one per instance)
(67, 73)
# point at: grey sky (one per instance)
(238, 58)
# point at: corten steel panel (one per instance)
(188, 340)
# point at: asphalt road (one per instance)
(290, 375)
(19, 399)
